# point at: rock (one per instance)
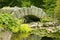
(35, 24)
(49, 24)
(5, 35)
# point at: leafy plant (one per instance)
(8, 22)
(49, 6)
(24, 28)
(57, 11)
(46, 19)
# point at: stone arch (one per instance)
(21, 12)
(31, 18)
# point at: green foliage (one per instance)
(5, 3)
(26, 4)
(24, 28)
(46, 19)
(49, 6)
(57, 10)
(8, 22)
(12, 3)
(19, 36)
(24, 31)
(37, 3)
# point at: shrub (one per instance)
(8, 22)
(46, 19)
(24, 28)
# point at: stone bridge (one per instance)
(21, 12)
